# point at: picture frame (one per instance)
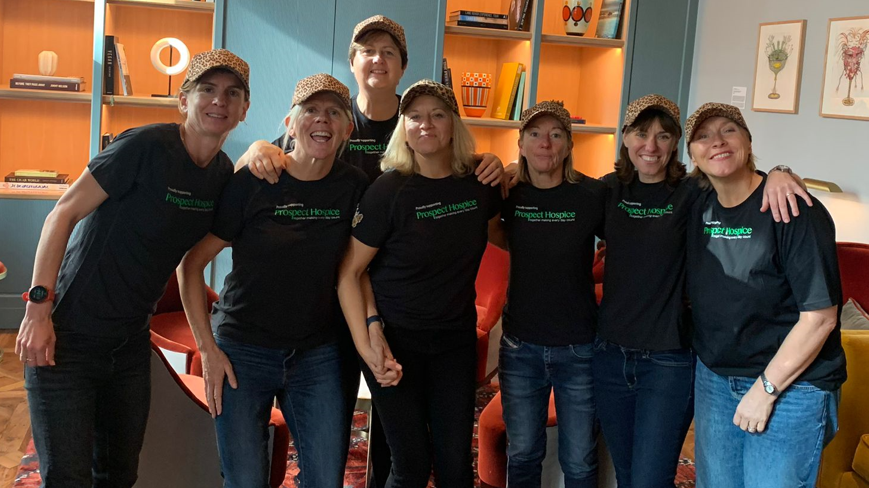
(778, 66)
(843, 92)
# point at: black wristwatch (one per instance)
(768, 386)
(782, 168)
(373, 319)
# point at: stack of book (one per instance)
(470, 18)
(51, 83)
(35, 180)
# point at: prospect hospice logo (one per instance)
(637, 211)
(368, 146)
(717, 231)
(185, 201)
(438, 210)
(297, 211)
(534, 214)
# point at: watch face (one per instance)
(38, 294)
(769, 388)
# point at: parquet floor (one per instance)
(14, 417)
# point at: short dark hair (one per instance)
(625, 169)
(367, 36)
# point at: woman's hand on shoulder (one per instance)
(489, 170)
(216, 367)
(781, 190)
(265, 161)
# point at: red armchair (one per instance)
(491, 286)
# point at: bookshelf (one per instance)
(62, 130)
(585, 72)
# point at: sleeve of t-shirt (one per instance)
(493, 195)
(808, 247)
(117, 166)
(229, 218)
(372, 223)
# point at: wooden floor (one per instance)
(14, 417)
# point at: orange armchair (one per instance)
(845, 461)
(491, 286)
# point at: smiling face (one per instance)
(377, 62)
(545, 144)
(650, 149)
(429, 126)
(215, 105)
(322, 126)
(720, 148)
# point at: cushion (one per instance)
(854, 317)
(861, 458)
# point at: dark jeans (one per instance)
(528, 373)
(645, 404)
(89, 412)
(307, 384)
(429, 414)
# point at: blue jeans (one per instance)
(307, 384)
(645, 403)
(89, 412)
(528, 373)
(785, 455)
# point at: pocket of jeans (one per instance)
(673, 359)
(583, 351)
(599, 344)
(510, 342)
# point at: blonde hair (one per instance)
(568, 172)
(293, 117)
(399, 156)
(703, 181)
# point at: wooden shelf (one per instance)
(48, 95)
(133, 101)
(490, 123)
(482, 32)
(581, 41)
(31, 195)
(188, 5)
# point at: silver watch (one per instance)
(782, 168)
(768, 386)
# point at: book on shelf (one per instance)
(447, 75)
(123, 70)
(106, 139)
(53, 79)
(58, 179)
(474, 13)
(109, 63)
(577, 120)
(34, 186)
(484, 25)
(521, 14)
(610, 19)
(36, 173)
(520, 98)
(485, 20)
(44, 85)
(505, 91)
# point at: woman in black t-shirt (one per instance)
(765, 299)
(278, 320)
(550, 218)
(422, 229)
(142, 202)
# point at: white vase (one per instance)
(576, 15)
(47, 63)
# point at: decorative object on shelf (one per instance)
(576, 15)
(609, 20)
(778, 66)
(844, 94)
(505, 92)
(475, 93)
(47, 63)
(172, 69)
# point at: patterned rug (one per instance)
(354, 474)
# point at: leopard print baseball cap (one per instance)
(713, 109)
(429, 87)
(319, 83)
(219, 58)
(658, 102)
(379, 22)
(554, 108)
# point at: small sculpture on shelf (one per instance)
(475, 93)
(576, 15)
(47, 63)
(171, 69)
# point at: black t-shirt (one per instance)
(367, 142)
(431, 235)
(121, 256)
(749, 278)
(643, 304)
(550, 234)
(287, 242)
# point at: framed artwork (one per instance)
(843, 93)
(778, 66)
